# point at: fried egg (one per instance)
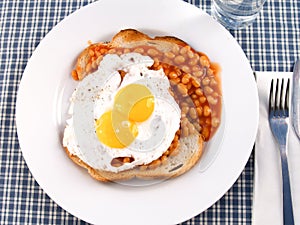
(111, 117)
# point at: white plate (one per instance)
(46, 84)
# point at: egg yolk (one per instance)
(132, 104)
(117, 132)
(136, 100)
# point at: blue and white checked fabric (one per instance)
(271, 44)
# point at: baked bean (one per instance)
(215, 94)
(185, 131)
(191, 128)
(210, 72)
(206, 110)
(198, 92)
(197, 102)
(178, 71)
(199, 110)
(98, 53)
(193, 62)
(196, 68)
(186, 69)
(94, 64)
(202, 99)
(185, 79)
(139, 50)
(88, 67)
(91, 53)
(193, 113)
(182, 104)
(182, 89)
(197, 127)
(176, 80)
(194, 96)
(206, 81)
(126, 160)
(152, 52)
(74, 75)
(183, 50)
(195, 83)
(103, 51)
(215, 121)
(208, 90)
(175, 49)
(156, 62)
(198, 73)
(179, 59)
(190, 54)
(204, 61)
(184, 122)
(212, 100)
(213, 82)
(173, 75)
(185, 109)
(205, 132)
(170, 55)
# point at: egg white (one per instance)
(95, 96)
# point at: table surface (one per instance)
(271, 44)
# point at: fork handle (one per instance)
(288, 216)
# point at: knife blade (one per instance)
(296, 98)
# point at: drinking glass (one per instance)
(236, 14)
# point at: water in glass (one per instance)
(236, 14)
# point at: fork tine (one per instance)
(281, 101)
(287, 97)
(277, 97)
(271, 99)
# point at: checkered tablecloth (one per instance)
(271, 44)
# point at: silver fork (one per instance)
(278, 119)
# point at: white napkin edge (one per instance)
(267, 198)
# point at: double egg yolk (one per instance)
(133, 104)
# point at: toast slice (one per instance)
(189, 148)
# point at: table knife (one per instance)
(296, 99)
